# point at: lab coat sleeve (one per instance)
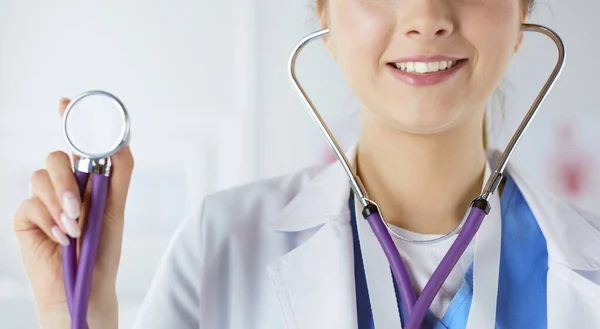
(172, 300)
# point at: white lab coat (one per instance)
(278, 254)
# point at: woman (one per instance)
(285, 253)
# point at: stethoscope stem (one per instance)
(494, 179)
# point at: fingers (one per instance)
(66, 191)
(62, 105)
(43, 188)
(33, 214)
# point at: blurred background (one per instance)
(211, 105)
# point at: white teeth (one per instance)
(421, 67)
(425, 67)
(434, 67)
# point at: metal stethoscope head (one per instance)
(495, 178)
(97, 162)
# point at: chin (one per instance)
(421, 120)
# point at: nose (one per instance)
(426, 19)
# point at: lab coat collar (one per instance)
(571, 236)
(324, 199)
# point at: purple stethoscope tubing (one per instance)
(417, 308)
(92, 170)
(78, 274)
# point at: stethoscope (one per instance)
(77, 273)
(416, 308)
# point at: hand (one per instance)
(47, 218)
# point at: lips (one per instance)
(427, 72)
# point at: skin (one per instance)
(421, 142)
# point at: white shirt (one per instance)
(422, 259)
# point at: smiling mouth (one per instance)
(425, 67)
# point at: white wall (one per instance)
(206, 84)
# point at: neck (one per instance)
(422, 183)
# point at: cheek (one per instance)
(360, 31)
(360, 21)
(494, 36)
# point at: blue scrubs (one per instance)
(521, 299)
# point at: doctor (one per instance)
(291, 252)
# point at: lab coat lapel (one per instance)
(572, 299)
(314, 282)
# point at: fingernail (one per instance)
(71, 226)
(60, 236)
(71, 205)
